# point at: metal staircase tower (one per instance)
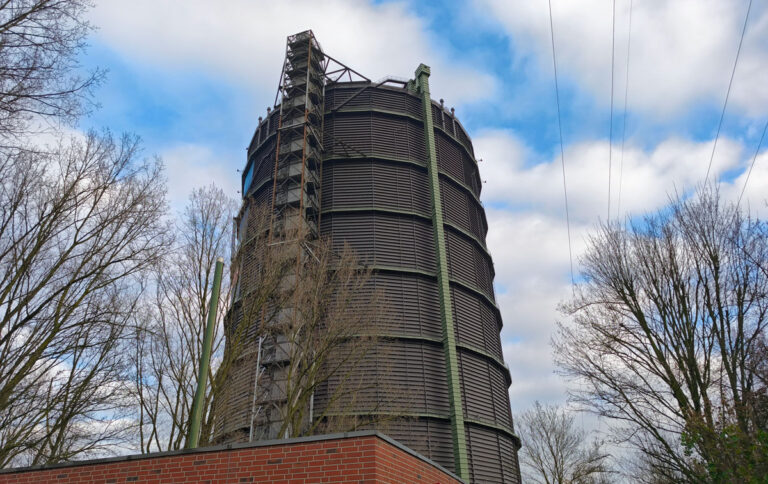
(295, 192)
(295, 208)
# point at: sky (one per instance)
(192, 77)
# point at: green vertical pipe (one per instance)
(449, 336)
(205, 360)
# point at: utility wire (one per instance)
(759, 145)
(624, 124)
(560, 130)
(610, 136)
(728, 92)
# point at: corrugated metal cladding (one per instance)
(375, 195)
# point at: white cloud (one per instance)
(537, 381)
(531, 260)
(648, 177)
(527, 233)
(245, 40)
(190, 166)
(682, 52)
(530, 244)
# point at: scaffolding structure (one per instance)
(295, 213)
(295, 205)
(295, 192)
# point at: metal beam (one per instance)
(443, 282)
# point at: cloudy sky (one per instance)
(191, 78)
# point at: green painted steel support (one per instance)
(205, 360)
(421, 86)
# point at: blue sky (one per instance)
(191, 78)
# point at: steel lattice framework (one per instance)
(299, 138)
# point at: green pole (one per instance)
(205, 360)
(443, 284)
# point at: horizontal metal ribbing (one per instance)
(470, 348)
(498, 428)
(467, 190)
(262, 184)
(463, 284)
(382, 157)
(400, 114)
(435, 416)
(335, 158)
(460, 231)
(408, 270)
(458, 123)
(392, 112)
(481, 352)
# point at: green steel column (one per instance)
(449, 337)
(205, 360)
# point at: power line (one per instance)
(610, 136)
(624, 124)
(759, 144)
(728, 92)
(562, 153)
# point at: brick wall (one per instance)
(360, 457)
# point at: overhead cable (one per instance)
(759, 145)
(610, 130)
(728, 92)
(562, 152)
(624, 123)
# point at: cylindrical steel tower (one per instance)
(400, 184)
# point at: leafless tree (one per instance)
(308, 302)
(299, 322)
(666, 339)
(79, 224)
(556, 451)
(39, 75)
(259, 289)
(324, 336)
(170, 326)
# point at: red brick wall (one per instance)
(362, 459)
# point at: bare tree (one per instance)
(323, 337)
(259, 290)
(79, 225)
(39, 44)
(666, 336)
(300, 319)
(170, 327)
(555, 451)
(170, 324)
(303, 303)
